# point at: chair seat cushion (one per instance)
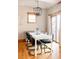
(45, 40)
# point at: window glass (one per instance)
(31, 17)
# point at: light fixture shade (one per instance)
(37, 10)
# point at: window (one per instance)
(31, 17)
(56, 27)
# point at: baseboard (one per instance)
(21, 40)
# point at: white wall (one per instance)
(23, 26)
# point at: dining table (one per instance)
(39, 37)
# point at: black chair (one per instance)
(28, 39)
(47, 41)
(31, 39)
(31, 43)
(28, 36)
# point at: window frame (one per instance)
(31, 13)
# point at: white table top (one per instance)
(41, 36)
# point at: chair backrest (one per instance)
(28, 36)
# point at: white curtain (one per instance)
(49, 25)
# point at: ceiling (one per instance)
(42, 3)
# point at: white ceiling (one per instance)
(42, 3)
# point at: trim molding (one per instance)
(21, 40)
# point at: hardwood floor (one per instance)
(23, 53)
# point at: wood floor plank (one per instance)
(23, 53)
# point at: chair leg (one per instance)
(47, 48)
(41, 48)
(37, 47)
(44, 48)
